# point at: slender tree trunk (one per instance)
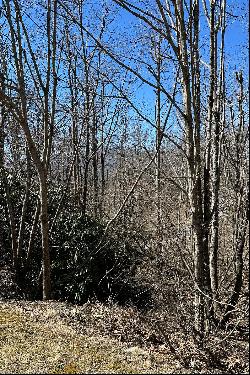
(86, 168)
(87, 147)
(102, 153)
(72, 77)
(3, 113)
(241, 220)
(102, 160)
(158, 146)
(199, 308)
(192, 127)
(217, 112)
(214, 239)
(32, 237)
(45, 236)
(2, 122)
(242, 223)
(95, 163)
(24, 212)
(14, 243)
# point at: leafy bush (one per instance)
(86, 265)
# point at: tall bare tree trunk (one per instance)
(87, 153)
(95, 163)
(213, 159)
(102, 153)
(3, 114)
(158, 143)
(87, 122)
(241, 219)
(45, 235)
(191, 84)
(32, 237)
(21, 232)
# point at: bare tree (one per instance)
(19, 109)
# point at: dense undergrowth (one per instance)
(86, 262)
(119, 305)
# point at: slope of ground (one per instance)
(59, 338)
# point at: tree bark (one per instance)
(45, 236)
(95, 164)
(24, 212)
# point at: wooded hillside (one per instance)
(124, 159)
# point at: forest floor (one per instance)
(61, 338)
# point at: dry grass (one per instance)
(36, 339)
(59, 338)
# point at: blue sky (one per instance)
(126, 25)
(236, 44)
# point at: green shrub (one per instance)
(84, 267)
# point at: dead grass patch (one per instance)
(46, 343)
(59, 338)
